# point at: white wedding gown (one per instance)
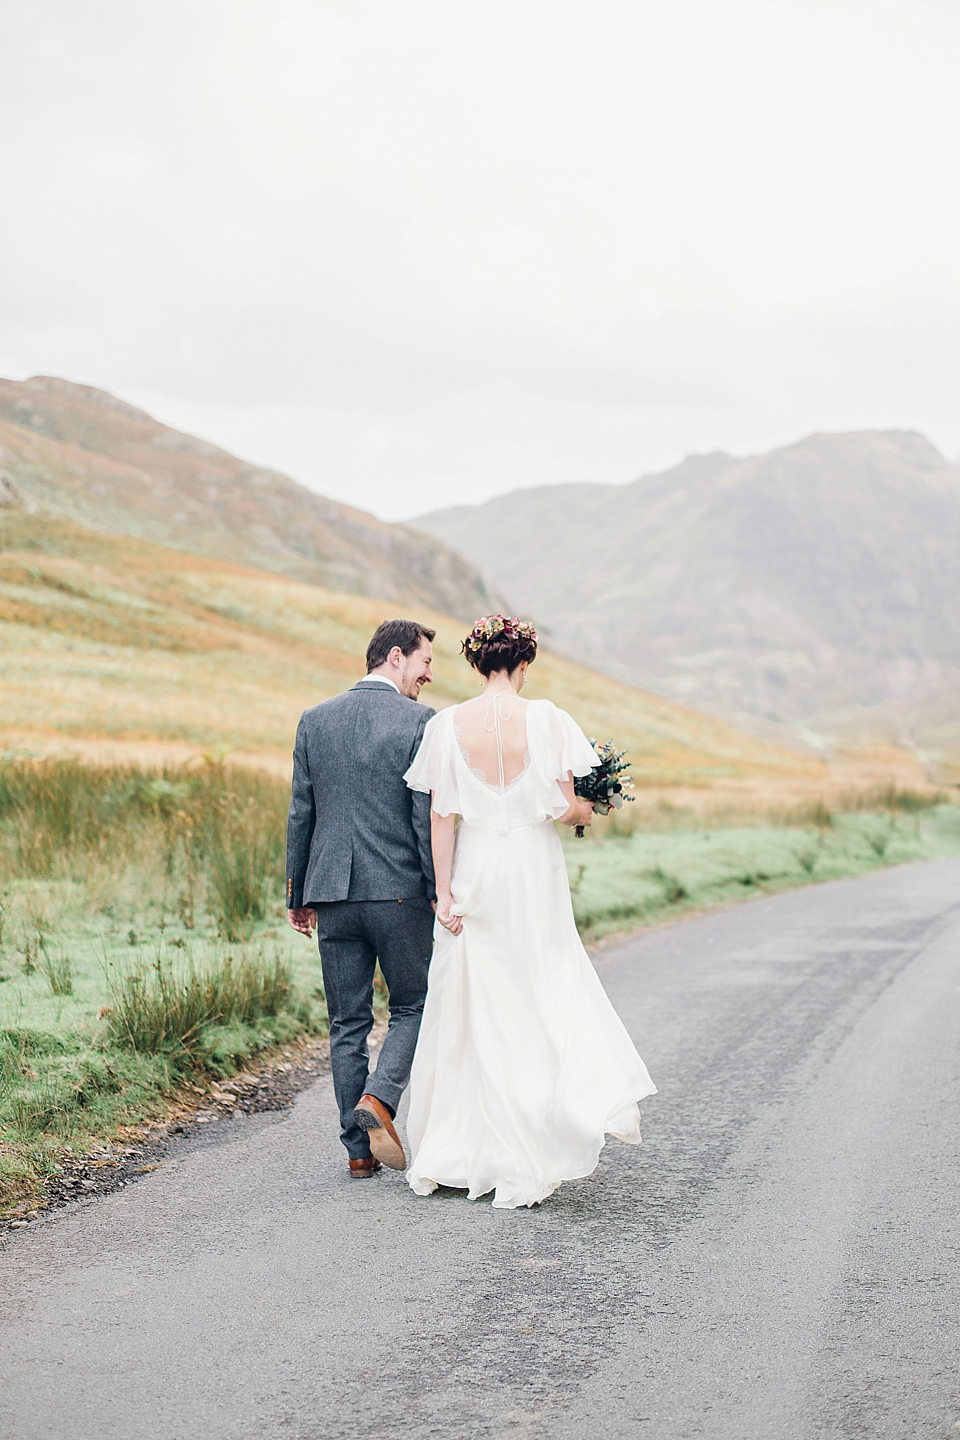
(522, 1065)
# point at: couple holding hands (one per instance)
(427, 841)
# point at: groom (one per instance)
(359, 868)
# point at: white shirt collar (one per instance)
(381, 680)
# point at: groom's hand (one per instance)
(304, 920)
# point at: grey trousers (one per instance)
(353, 935)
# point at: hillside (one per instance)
(80, 453)
(123, 641)
(815, 588)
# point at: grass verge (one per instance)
(144, 947)
(641, 869)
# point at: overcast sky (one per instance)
(419, 252)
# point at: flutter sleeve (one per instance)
(557, 747)
(434, 765)
(574, 751)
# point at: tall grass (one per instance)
(206, 826)
(816, 814)
(167, 1010)
(239, 873)
(98, 868)
(57, 966)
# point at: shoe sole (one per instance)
(383, 1145)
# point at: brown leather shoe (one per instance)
(373, 1116)
(363, 1168)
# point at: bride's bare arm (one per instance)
(580, 811)
(441, 841)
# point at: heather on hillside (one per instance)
(123, 640)
(79, 453)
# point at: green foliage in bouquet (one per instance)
(605, 785)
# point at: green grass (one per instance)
(172, 1009)
(624, 875)
(143, 942)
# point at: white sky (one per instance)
(418, 252)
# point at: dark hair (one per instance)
(500, 642)
(406, 633)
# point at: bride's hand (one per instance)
(580, 813)
(449, 921)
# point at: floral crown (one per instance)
(496, 627)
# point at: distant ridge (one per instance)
(78, 452)
(814, 589)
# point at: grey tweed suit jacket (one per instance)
(355, 832)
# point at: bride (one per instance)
(522, 1065)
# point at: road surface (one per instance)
(781, 1259)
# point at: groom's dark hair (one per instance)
(405, 633)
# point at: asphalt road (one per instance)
(780, 1259)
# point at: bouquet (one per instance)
(606, 784)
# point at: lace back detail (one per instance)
(498, 712)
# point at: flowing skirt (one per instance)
(522, 1066)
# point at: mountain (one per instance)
(812, 589)
(74, 451)
(113, 645)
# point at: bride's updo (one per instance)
(500, 642)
